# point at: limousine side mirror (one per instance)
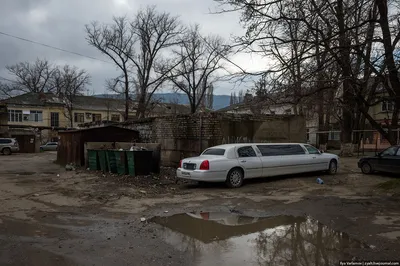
(321, 151)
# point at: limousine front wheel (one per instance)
(332, 167)
(235, 178)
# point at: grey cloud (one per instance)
(61, 24)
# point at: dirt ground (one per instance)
(50, 216)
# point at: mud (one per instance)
(55, 217)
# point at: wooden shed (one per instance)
(71, 146)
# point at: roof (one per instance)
(96, 128)
(168, 108)
(90, 103)
(98, 104)
(34, 99)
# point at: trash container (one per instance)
(142, 162)
(101, 154)
(120, 159)
(93, 160)
(111, 163)
(130, 162)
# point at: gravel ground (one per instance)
(50, 216)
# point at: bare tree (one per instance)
(117, 41)
(200, 58)
(136, 47)
(389, 52)
(321, 46)
(154, 32)
(32, 77)
(232, 99)
(241, 96)
(209, 99)
(8, 90)
(69, 83)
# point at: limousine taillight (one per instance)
(205, 165)
(180, 164)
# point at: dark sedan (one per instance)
(387, 161)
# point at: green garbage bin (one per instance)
(93, 160)
(101, 154)
(143, 161)
(111, 162)
(120, 159)
(130, 161)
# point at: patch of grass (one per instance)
(390, 185)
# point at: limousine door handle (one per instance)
(242, 161)
(314, 157)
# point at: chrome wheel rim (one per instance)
(333, 168)
(6, 152)
(235, 178)
(366, 168)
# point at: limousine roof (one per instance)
(231, 145)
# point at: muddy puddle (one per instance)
(213, 238)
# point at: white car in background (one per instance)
(232, 163)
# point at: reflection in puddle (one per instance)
(229, 239)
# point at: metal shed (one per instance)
(71, 146)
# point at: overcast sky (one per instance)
(61, 24)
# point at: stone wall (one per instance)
(187, 135)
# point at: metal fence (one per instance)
(363, 140)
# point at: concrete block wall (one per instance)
(183, 136)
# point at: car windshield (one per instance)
(214, 152)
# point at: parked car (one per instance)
(49, 146)
(387, 161)
(8, 146)
(232, 163)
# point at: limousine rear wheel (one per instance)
(235, 178)
(332, 167)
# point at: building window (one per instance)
(387, 106)
(79, 117)
(334, 135)
(308, 134)
(36, 116)
(96, 117)
(14, 116)
(54, 120)
(115, 118)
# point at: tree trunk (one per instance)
(345, 64)
(192, 108)
(141, 108)
(391, 65)
(126, 114)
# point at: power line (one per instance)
(52, 47)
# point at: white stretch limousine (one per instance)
(232, 163)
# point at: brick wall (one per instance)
(187, 135)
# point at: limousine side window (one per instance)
(277, 150)
(214, 152)
(246, 151)
(311, 149)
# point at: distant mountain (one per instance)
(220, 101)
